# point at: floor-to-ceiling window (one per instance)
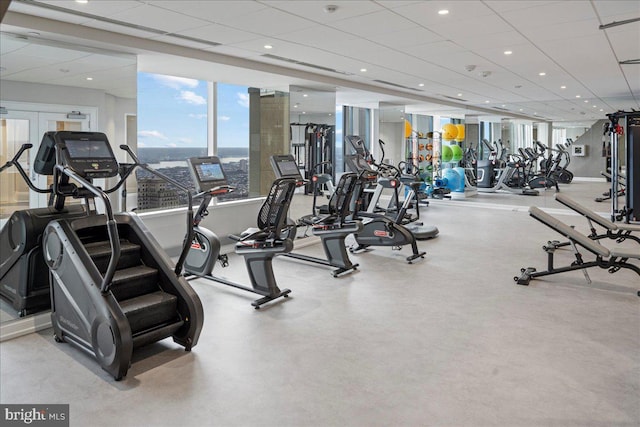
(172, 126)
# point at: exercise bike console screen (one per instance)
(285, 166)
(206, 172)
(87, 153)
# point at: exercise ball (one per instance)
(460, 135)
(407, 129)
(456, 153)
(447, 154)
(453, 179)
(449, 132)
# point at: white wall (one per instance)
(169, 227)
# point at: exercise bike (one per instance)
(256, 245)
(377, 229)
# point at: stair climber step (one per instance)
(134, 281)
(157, 334)
(100, 253)
(150, 311)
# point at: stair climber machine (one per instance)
(490, 179)
(334, 226)
(378, 229)
(210, 181)
(113, 289)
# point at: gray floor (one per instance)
(448, 341)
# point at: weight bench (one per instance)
(611, 259)
(619, 232)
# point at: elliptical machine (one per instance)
(204, 250)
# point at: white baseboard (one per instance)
(24, 325)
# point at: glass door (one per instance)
(16, 128)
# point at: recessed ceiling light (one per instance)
(542, 73)
(503, 105)
(486, 102)
(443, 12)
(459, 94)
(594, 106)
(601, 109)
(586, 100)
(521, 109)
(421, 85)
(363, 70)
(89, 78)
(563, 87)
(508, 52)
(577, 96)
(304, 112)
(295, 106)
(304, 95)
(268, 46)
(82, 1)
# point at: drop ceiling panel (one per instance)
(268, 22)
(575, 31)
(318, 36)
(16, 63)
(433, 51)
(426, 13)
(496, 41)
(467, 27)
(314, 10)
(502, 6)
(407, 37)
(618, 10)
(161, 19)
(376, 23)
(555, 13)
(214, 11)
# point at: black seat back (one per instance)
(273, 213)
(339, 203)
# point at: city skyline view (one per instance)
(172, 112)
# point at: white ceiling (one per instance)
(405, 43)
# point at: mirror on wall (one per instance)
(50, 84)
(312, 124)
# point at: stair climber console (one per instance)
(113, 288)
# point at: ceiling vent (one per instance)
(305, 64)
(115, 22)
(397, 85)
(455, 98)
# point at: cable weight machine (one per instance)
(319, 145)
(624, 127)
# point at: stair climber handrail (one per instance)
(190, 232)
(14, 162)
(112, 226)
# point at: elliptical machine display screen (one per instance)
(206, 172)
(87, 153)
